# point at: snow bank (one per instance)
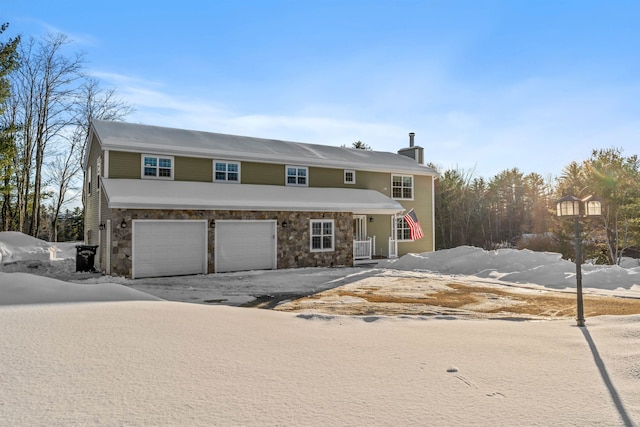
(470, 260)
(518, 266)
(22, 288)
(16, 246)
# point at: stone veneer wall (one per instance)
(293, 248)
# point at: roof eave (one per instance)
(233, 207)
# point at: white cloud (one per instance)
(537, 125)
(156, 106)
(75, 37)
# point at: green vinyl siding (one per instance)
(193, 169)
(334, 178)
(379, 181)
(423, 208)
(262, 173)
(124, 165)
(325, 177)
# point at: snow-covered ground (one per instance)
(135, 361)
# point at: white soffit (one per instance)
(152, 194)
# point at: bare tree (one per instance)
(65, 170)
(44, 86)
(62, 170)
(94, 102)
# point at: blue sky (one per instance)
(485, 85)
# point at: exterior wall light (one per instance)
(212, 224)
(123, 224)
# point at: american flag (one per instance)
(414, 225)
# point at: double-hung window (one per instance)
(402, 187)
(322, 235)
(158, 167)
(297, 175)
(224, 171)
(403, 231)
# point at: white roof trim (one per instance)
(152, 194)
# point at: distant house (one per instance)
(162, 201)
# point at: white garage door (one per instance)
(169, 248)
(245, 245)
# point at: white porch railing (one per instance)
(393, 248)
(362, 249)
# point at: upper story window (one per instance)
(349, 177)
(98, 171)
(322, 235)
(159, 167)
(297, 175)
(89, 180)
(224, 171)
(402, 186)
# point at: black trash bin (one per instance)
(85, 257)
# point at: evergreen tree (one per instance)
(8, 63)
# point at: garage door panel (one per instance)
(169, 248)
(245, 245)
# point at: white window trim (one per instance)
(333, 235)
(105, 172)
(397, 229)
(157, 156)
(286, 176)
(227, 162)
(353, 173)
(413, 184)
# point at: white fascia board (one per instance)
(87, 150)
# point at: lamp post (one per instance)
(573, 207)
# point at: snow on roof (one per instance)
(123, 136)
(156, 194)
